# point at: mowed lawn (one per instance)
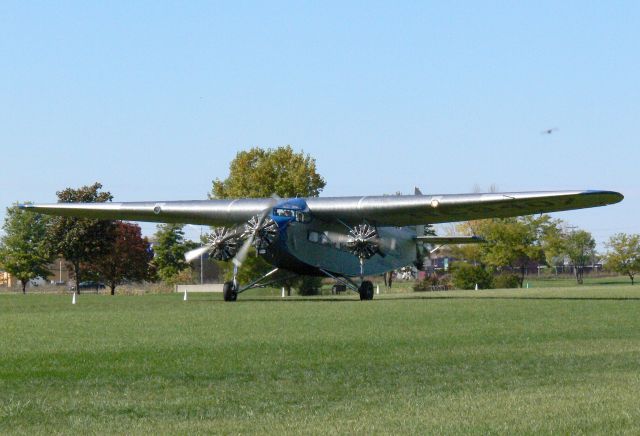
(526, 361)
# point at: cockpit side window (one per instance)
(303, 217)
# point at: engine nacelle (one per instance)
(224, 243)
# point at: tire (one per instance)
(229, 292)
(366, 290)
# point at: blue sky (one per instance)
(154, 99)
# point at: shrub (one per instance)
(432, 282)
(506, 280)
(466, 276)
(307, 285)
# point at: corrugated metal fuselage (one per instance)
(305, 249)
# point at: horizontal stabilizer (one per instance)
(447, 240)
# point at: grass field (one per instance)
(528, 361)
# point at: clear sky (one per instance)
(153, 99)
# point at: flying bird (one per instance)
(549, 131)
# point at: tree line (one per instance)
(114, 252)
(514, 243)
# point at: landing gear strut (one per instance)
(230, 290)
(365, 290)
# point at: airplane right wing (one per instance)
(206, 212)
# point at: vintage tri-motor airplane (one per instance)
(339, 237)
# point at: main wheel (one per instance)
(366, 290)
(229, 291)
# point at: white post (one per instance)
(283, 292)
(527, 285)
(377, 289)
(185, 295)
(73, 300)
(476, 286)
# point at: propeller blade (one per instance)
(242, 253)
(196, 253)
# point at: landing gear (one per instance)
(366, 290)
(230, 291)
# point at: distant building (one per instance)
(5, 279)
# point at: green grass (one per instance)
(518, 361)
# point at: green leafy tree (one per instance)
(554, 239)
(80, 241)
(169, 249)
(624, 254)
(510, 242)
(260, 173)
(580, 248)
(23, 251)
(129, 257)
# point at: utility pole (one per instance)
(201, 260)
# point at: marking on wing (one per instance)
(231, 204)
(359, 206)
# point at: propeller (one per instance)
(258, 226)
(363, 241)
(222, 245)
(196, 253)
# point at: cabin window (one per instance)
(322, 239)
(303, 217)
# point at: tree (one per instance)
(554, 238)
(262, 173)
(23, 252)
(580, 248)
(510, 242)
(128, 259)
(624, 254)
(80, 241)
(169, 249)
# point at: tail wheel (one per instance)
(366, 290)
(229, 291)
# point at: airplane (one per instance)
(338, 237)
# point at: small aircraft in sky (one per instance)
(338, 237)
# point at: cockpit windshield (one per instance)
(302, 217)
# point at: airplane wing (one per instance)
(206, 212)
(405, 210)
(401, 210)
